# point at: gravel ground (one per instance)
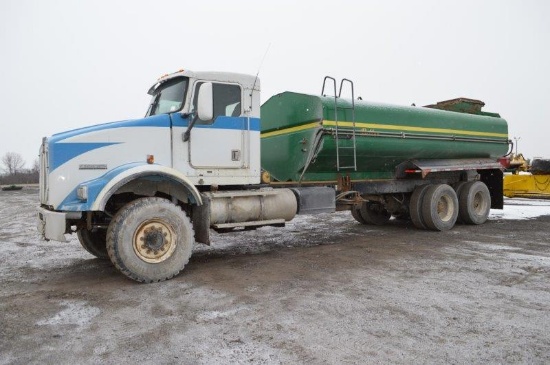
(323, 290)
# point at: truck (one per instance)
(143, 192)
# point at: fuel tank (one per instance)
(251, 205)
(316, 138)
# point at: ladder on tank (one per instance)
(337, 134)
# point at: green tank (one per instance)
(306, 138)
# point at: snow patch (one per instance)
(75, 312)
(212, 315)
(520, 209)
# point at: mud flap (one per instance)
(494, 181)
(201, 221)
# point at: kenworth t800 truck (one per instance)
(142, 192)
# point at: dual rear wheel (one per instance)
(436, 207)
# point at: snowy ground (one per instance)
(323, 290)
(520, 208)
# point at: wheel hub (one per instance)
(445, 208)
(478, 203)
(154, 241)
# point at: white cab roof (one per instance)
(247, 81)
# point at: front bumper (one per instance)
(53, 225)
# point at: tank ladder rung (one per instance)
(339, 146)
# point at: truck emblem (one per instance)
(93, 167)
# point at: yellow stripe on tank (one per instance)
(382, 126)
(414, 129)
(292, 129)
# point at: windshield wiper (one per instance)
(153, 105)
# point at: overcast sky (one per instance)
(68, 63)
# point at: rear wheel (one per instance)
(440, 207)
(474, 203)
(458, 190)
(540, 167)
(94, 242)
(374, 213)
(415, 206)
(150, 239)
(356, 214)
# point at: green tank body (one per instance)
(312, 138)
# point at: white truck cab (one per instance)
(223, 147)
(130, 189)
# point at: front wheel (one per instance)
(150, 239)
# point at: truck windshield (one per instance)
(168, 97)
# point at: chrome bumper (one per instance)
(53, 225)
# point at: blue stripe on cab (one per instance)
(221, 122)
(238, 123)
(154, 121)
(63, 152)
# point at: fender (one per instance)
(139, 171)
(99, 190)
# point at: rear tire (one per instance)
(150, 239)
(540, 167)
(458, 190)
(440, 207)
(374, 213)
(94, 242)
(356, 214)
(415, 206)
(474, 203)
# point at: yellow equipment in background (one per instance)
(527, 181)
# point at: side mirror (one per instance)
(206, 102)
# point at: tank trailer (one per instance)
(142, 192)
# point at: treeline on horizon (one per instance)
(13, 171)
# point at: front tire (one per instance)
(94, 242)
(150, 240)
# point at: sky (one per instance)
(66, 64)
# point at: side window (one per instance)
(227, 101)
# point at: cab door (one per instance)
(220, 142)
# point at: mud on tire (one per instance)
(150, 240)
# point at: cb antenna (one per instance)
(258, 73)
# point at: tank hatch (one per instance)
(462, 105)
